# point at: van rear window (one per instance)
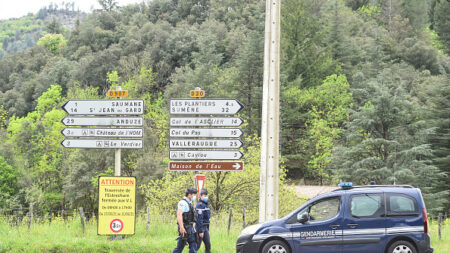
(401, 205)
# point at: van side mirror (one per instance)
(303, 218)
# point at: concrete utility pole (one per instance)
(268, 198)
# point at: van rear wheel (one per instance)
(276, 246)
(402, 247)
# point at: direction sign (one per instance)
(205, 155)
(104, 144)
(207, 122)
(206, 132)
(102, 132)
(206, 166)
(204, 143)
(207, 106)
(104, 107)
(103, 121)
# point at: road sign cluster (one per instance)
(110, 112)
(201, 141)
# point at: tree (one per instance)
(53, 42)
(442, 22)
(8, 182)
(108, 5)
(387, 142)
(326, 108)
(54, 27)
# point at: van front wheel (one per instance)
(402, 247)
(276, 247)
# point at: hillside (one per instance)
(365, 87)
(21, 33)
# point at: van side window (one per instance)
(367, 205)
(325, 209)
(401, 205)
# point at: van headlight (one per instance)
(251, 229)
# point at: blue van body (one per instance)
(365, 219)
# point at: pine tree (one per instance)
(387, 141)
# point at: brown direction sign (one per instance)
(206, 166)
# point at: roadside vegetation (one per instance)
(67, 236)
(364, 97)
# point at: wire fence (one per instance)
(28, 216)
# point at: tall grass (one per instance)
(67, 236)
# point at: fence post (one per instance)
(30, 216)
(439, 224)
(148, 219)
(62, 213)
(243, 218)
(229, 221)
(82, 217)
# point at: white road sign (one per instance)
(103, 121)
(105, 107)
(205, 155)
(103, 132)
(205, 106)
(204, 143)
(104, 144)
(207, 122)
(206, 132)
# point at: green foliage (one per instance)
(8, 182)
(372, 60)
(327, 109)
(3, 117)
(53, 42)
(227, 190)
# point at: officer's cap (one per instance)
(203, 192)
(191, 191)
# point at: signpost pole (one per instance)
(268, 201)
(118, 153)
(117, 158)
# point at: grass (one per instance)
(67, 236)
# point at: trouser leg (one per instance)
(192, 241)
(207, 241)
(180, 246)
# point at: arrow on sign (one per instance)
(236, 166)
(103, 121)
(207, 122)
(206, 132)
(204, 143)
(207, 106)
(103, 144)
(205, 155)
(104, 107)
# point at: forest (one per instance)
(364, 84)
(23, 33)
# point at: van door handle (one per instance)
(352, 225)
(335, 226)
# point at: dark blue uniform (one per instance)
(204, 213)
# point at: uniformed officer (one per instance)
(204, 213)
(186, 218)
